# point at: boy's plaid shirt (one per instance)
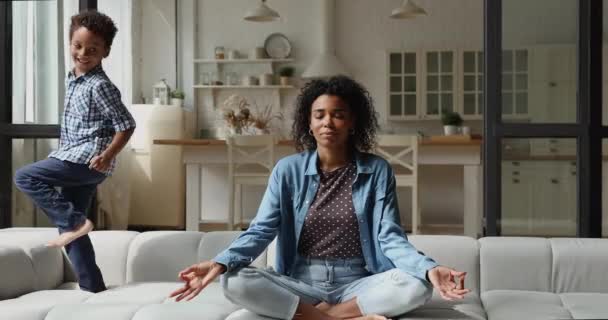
(93, 113)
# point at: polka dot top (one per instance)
(330, 229)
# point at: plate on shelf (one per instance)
(277, 46)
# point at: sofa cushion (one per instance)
(515, 263)
(161, 255)
(518, 304)
(106, 311)
(135, 293)
(579, 266)
(468, 308)
(111, 251)
(457, 252)
(36, 305)
(184, 311)
(586, 305)
(17, 276)
(47, 263)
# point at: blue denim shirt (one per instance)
(291, 189)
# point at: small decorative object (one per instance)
(219, 52)
(277, 46)
(235, 111)
(263, 117)
(266, 79)
(286, 73)
(465, 130)
(451, 122)
(257, 53)
(161, 92)
(233, 54)
(250, 81)
(177, 98)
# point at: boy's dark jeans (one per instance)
(66, 209)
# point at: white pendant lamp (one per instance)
(262, 13)
(408, 10)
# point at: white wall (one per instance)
(363, 34)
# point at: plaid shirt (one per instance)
(93, 114)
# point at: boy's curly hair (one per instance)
(353, 94)
(97, 22)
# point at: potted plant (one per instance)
(285, 73)
(177, 98)
(451, 122)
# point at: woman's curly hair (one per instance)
(356, 97)
(97, 22)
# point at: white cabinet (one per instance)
(553, 83)
(471, 84)
(539, 198)
(421, 84)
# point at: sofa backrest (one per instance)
(540, 264)
(579, 265)
(111, 252)
(461, 253)
(26, 264)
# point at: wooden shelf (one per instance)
(242, 60)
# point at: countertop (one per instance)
(289, 142)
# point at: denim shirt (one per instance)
(291, 189)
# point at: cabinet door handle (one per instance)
(516, 163)
(515, 173)
(554, 181)
(515, 180)
(573, 173)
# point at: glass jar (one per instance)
(219, 52)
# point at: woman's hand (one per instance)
(196, 278)
(444, 280)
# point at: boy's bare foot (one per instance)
(67, 237)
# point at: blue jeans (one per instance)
(66, 208)
(334, 281)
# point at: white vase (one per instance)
(450, 130)
(284, 81)
(177, 102)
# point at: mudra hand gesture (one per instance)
(196, 278)
(449, 282)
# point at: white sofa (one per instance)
(519, 278)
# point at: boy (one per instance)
(95, 127)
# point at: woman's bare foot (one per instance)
(323, 306)
(67, 237)
(370, 317)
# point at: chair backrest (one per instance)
(401, 151)
(252, 151)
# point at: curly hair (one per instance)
(97, 22)
(353, 94)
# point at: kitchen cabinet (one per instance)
(421, 84)
(539, 198)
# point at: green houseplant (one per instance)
(451, 122)
(285, 74)
(177, 98)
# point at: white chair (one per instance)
(401, 151)
(250, 162)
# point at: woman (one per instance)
(341, 253)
